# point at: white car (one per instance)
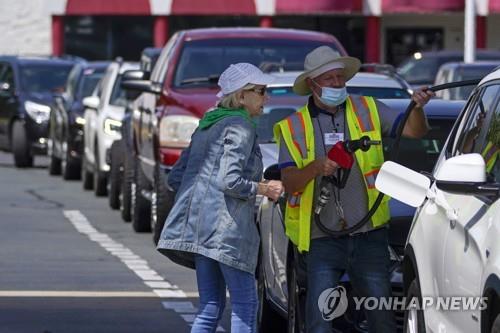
(453, 249)
(103, 115)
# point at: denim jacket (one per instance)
(216, 181)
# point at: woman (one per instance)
(217, 179)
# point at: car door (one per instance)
(461, 249)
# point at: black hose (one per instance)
(394, 156)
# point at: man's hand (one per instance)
(422, 95)
(325, 166)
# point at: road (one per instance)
(70, 264)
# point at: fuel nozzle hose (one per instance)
(365, 143)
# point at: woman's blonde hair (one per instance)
(232, 101)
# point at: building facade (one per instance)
(373, 30)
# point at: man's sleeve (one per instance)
(389, 119)
(284, 159)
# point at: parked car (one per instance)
(122, 155)
(103, 116)
(182, 88)
(65, 142)
(453, 248)
(460, 71)
(421, 68)
(27, 85)
(281, 275)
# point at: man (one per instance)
(305, 139)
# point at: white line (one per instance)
(71, 293)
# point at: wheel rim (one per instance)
(64, 159)
(132, 199)
(153, 210)
(412, 321)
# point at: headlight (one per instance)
(176, 131)
(80, 120)
(39, 112)
(112, 126)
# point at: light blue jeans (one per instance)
(213, 277)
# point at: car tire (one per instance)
(141, 207)
(267, 319)
(87, 176)
(100, 180)
(414, 319)
(70, 167)
(495, 328)
(21, 146)
(162, 201)
(115, 175)
(296, 302)
(126, 190)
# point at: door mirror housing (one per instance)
(402, 183)
(142, 86)
(91, 102)
(135, 74)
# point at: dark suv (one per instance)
(27, 86)
(65, 144)
(182, 88)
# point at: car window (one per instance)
(202, 61)
(72, 82)
(474, 129)
(417, 71)
(89, 80)
(118, 96)
(44, 78)
(8, 76)
(422, 154)
(470, 73)
(266, 121)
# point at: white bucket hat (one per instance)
(321, 60)
(239, 75)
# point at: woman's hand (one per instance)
(271, 189)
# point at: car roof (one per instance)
(244, 32)
(461, 64)
(453, 53)
(361, 79)
(25, 60)
(436, 108)
(495, 75)
(96, 64)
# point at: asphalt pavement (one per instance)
(68, 263)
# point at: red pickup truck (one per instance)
(182, 87)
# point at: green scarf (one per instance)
(213, 116)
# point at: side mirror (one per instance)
(91, 102)
(142, 86)
(272, 173)
(402, 183)
(134, 74)
(5, 89)
(466, 174)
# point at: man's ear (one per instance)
(310, 83)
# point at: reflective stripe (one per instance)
(364, 118)
(294, 199)
(370, 178)
(488, 155)
(297, 128)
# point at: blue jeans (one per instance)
(365, 257)
(212, 277)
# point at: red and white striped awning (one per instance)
(264, 7)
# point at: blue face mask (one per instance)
(332, 96)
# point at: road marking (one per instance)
(76, 294)
(160, 287)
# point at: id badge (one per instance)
(333, 138)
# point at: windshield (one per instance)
(89, 80)
(419, 71)
(202, 61)
(470, 73)
(44, 78)
(422, 154)
(118, 96)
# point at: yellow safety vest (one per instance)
(298, 134)
(490, 155)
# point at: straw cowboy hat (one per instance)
(321, 60)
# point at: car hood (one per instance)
(270, 156)
(193, 101)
